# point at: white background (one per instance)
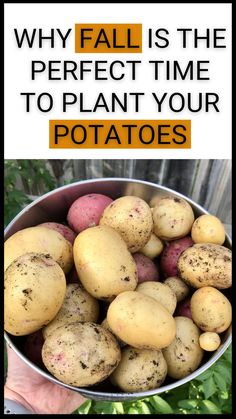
(27, 134)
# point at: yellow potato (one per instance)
(78, 306)
(209, 341)
(184, 354)
(106, 326)
(173, 218)
(161, 292)
(153, 247)
(206, 264)
(208, 229)
(81, 354)
(139, 370)
(141, 321)
(34, 290)
(211, 310)
(131, 217)
(40, 240)
(104, 265)
(179, 287)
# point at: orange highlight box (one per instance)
(117, 134)
(108, 38)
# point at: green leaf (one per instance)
(118, 406)
(209, 387)
(104, 407)
(84, 408)
(204, 376)
(188, 404)
(143, 408)
(206, 406)
(220, 381)
(133, 411)
(228, 354)
(160, 405)
(225, 371)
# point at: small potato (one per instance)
(81, 354)
(208, 229)
(173, 218)
(171, 254)
(179, 287)
(104, 265)
(153, 247)
(146, 268)
(39, 240)
(161, 292)
(131, 217)
(184, 354)
(106, 325)
(34, 290)
(209, 341)
(211, 310)
(78, 306)
(86, 211)
(206, 264)
(141, 321)
(155, 200)
(66, 231)
(139, 370)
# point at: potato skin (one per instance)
(141, 321)
(179, 287)
(131, 217)
(139, 370)
(211, 310)
(104, 265)
(206, 264)
(106, 326)
(86, 211)
(35, 287)
(78, 306)
(81, 354)
(208, 229)
(66, 231)
(146, 268)
(209, 341)
(160, 292)
(153, 247)
(184, 354)
(171, 254)
(173, 218)
(39, 240)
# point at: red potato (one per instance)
(86, 211)
(147, 270)
(171, 254)
(183, 309)
(33, 348)
(65, 231)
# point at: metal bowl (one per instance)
(54, 206)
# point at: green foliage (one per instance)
(33, 174)
(210, 393)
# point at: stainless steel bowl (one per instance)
(54, 206)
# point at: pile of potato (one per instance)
(127, 290)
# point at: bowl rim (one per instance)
(117, 396)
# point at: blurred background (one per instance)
(207, 182)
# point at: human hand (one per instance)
(35, 392)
